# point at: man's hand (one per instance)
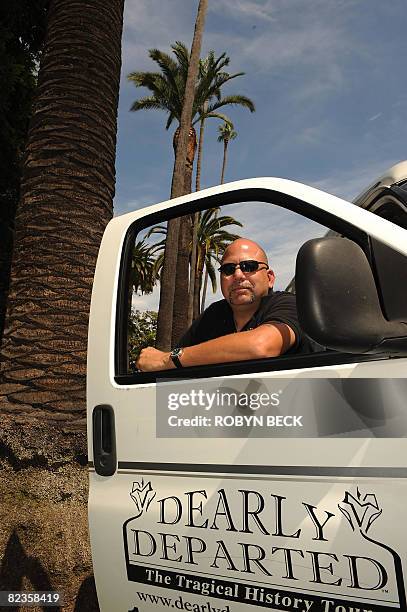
(152, 360)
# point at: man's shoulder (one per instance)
(277, 306)
(278, 297)
(211, 323)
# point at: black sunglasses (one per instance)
(248, 265)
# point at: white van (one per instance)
(297, 504)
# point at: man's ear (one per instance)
(272, 278)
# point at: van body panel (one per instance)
(194, 522)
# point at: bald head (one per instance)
(244, 246)
(243, 290)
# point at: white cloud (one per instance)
(263, 11)
(311, 134)
(279, 43)
(148, 301)
(149, 24)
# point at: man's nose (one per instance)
(238, 273)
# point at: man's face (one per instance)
(245, 288)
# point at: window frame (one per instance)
(255, 194)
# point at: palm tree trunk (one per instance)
(204, 289)
(66, 202)
(192, 288)
(180, 321)
(179, 185)
(225, 153)
(198, 280)
(200, 149)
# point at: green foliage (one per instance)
(226, 132)
(142, 329)
(142, 274)
(212, 240)
(167, 87)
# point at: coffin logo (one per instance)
(142, 495)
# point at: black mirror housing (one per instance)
(338, 302)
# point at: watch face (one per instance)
(175, 355)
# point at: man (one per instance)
(252, 322)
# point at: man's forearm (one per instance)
(268, 340)
(265, 341)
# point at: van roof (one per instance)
(395, 174)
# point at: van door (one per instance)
(296, 500)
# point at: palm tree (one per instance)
(211, 71)
(226, 134)
(212, 79)
(175, 265)
(167, 91)
(143, 271)
(178, 265)
(66, 201)
(213, 240)
(22, 34)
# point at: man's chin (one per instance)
(241, 298)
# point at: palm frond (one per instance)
(147, 104)
(234, 101)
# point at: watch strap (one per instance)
(175, 357)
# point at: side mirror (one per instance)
(338, 302)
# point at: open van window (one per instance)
(276, 223)
(280, 232)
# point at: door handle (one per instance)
(104, 440)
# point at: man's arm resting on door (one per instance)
(268, 340)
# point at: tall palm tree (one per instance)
(212, 78)
(178, 265)
(167, 89)
(66, 201)
(226, 134)
(211, 71)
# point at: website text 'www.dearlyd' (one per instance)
(179, 603)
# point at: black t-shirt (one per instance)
(217, 320)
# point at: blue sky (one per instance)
(327, 78)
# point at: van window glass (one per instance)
(278, 231)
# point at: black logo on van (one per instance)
(142, 495)
(360, 511)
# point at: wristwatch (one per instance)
(175, 356)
